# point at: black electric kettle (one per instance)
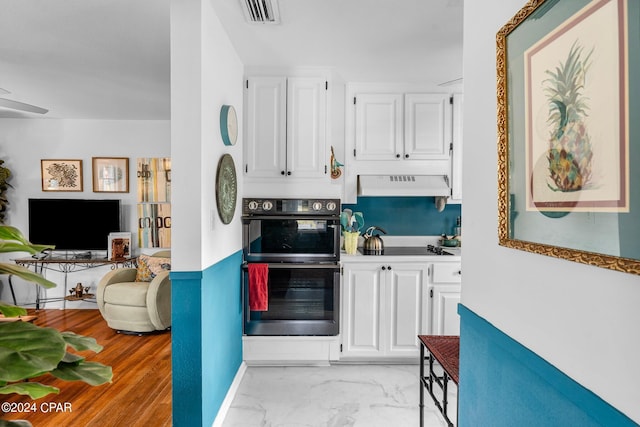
(373, 244)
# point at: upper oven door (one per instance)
(291, 239)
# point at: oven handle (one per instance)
(279, 265)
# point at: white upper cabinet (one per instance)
(427, 125)
(456, 160)
(306, 126)
(266, 100)
(286, 127)
(379, 123)
(395, 126)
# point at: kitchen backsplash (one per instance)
(407, 216)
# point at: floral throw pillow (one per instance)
(150, 266)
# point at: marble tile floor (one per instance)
(343, 395)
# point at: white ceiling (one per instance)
(109, 59)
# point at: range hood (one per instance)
(404, 185)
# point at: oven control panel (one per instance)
(252, 206)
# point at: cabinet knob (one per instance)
(384, 268)
(406, 156)
(289, 173)
(281, 172)
(397, 156)
(389, 268)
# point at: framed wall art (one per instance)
(119, 246)
(154, 225)
(565, 167)
(110, 174)
(61, 175)
(153, 176)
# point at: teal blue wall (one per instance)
(206, 339)
(503, 383)
(407, 216)
(186, 348)
(221, 332)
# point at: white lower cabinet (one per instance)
(385, 306)
(445, 298)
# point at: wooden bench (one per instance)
(445, 350)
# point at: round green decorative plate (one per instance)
(226, 188)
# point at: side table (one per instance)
(67, 265)
(444, 350)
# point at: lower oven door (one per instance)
(303, 299)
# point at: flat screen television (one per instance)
(73, 224)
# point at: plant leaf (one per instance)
(26, 274)
(27, 350)
(16, 423)
(10, 233)
(11, 310)
(31, 389)
(72, 358)
(80, 342)
(92, 373)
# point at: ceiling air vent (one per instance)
(261, 11)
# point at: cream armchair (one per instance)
(129, 306)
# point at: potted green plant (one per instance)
(28, 351)
(5, 174)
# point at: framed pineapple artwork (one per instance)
(563, 131)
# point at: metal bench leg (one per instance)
(421, 385)
(13, 294)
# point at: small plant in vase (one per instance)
(351, 223)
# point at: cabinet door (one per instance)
(378, 126)
(407, 308)
(447, 272)
(361, 292)
(456, 160)
(265, 147)
(446, 320)
(306, 127)
(427, 123)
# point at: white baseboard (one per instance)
(231, 393)
(290, 350)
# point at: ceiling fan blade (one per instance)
(4, 91)
(15, 105)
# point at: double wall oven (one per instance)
(297, 244)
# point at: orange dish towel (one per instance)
(258, 289)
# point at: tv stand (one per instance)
(66, 264)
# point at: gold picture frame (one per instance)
(563, 109)
(110, 174)
(61, 174)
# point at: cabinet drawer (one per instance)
(447, 273)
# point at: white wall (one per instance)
(581, 319)
(206, 73)
(24, 142)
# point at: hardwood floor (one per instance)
(139, 395)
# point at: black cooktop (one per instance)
(410, 250)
